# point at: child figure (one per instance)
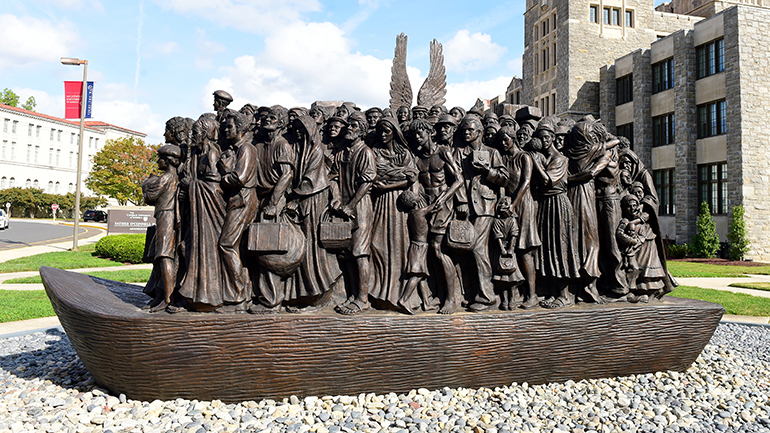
(417, 255)
(505, 231)
(640, 259)
(161, 191)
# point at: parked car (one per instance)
(95, 215)
(4, 221)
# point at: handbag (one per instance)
(506, 264)
(334, 233)
(460, 235)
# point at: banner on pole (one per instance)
(73, 93)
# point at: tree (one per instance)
(705, 243)
(30, 104)
(736, 235)
(120, 168)
(8, 97)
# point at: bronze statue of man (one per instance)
(221, 100)
(238, 181)
(354, 169)
(483, 174)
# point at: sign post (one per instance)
(54, 208)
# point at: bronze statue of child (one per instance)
(161, 191)
(417, 254)
(505, 231)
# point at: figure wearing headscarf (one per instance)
(319, 269)
(396, 172)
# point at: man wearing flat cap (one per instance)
(221, 100)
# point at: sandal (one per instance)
(556, 303)
(353, 307)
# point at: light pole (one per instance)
(77, 62)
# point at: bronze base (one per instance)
(237, 357)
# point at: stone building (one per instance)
(567, 41)
(698, 112)
(41, 151)
(685, 81)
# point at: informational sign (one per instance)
(54, 206)
(129, 221)
(73, 93)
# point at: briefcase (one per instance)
(268, 237)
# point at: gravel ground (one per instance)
(45, 388)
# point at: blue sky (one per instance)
(154, 59)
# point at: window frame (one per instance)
(712, 119)
(710, 58)
(626, 130)
(663, 75)
(663, 130)
(624, 90)
(711, 176)
(665, 185)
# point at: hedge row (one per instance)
(126, 248)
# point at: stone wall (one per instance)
(642, 106)
(747, 60)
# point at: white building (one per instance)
(41, 151)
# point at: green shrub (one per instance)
(678, 251)
(127, 248)
(736, 235)
(705, 243)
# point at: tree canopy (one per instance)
(30, 104)
(9, 97)
(119, 169)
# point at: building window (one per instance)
(58, 135)
(606, 16)
(13, 150)
(664, 184)
(3, 181)
(29, 153)
(625, 89)
(545, 59)
(56, 188)
(616, 17)
(37, 152)
(5, 144)
(71, 155)
(37, 131)
(90, 142)
(58, 156)
(662, 75)
(70, 188)
(28, 183)
(663, 130)
(553, 54)
(710, 58)
(553, 103)
(712, 186)
(50, 156)
(35, 184)
(12, 182)
(52, 132)
(29, 129)
(593, 14)
(96, 143)
(5, 125)
(629, 18)
(15, 122)
(627, 131)
(712, 119)
(72, 138)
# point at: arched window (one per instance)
(3, 181)
(35, 184)
(28, 183)
(12, 182)
(70, 188)
(56, 188)
(50, 187)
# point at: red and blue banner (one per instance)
(73, 93)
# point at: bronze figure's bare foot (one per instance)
(556, 303)
(173, 309)
(354, 307)
(450, 306)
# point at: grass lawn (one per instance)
(122, 275)
(22, 305)
(690, 269)
(734, 303)
(755, 286)
(84, 258)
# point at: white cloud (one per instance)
(29, 40)
(471, 52)
(302, 63)
(252, 16)
(206, 49)
(465, 94)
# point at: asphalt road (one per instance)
(29, 233)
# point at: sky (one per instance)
(155, 59)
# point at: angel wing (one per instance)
(400, 88)
(433, 89)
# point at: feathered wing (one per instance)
(400, 88)
(433, 90)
